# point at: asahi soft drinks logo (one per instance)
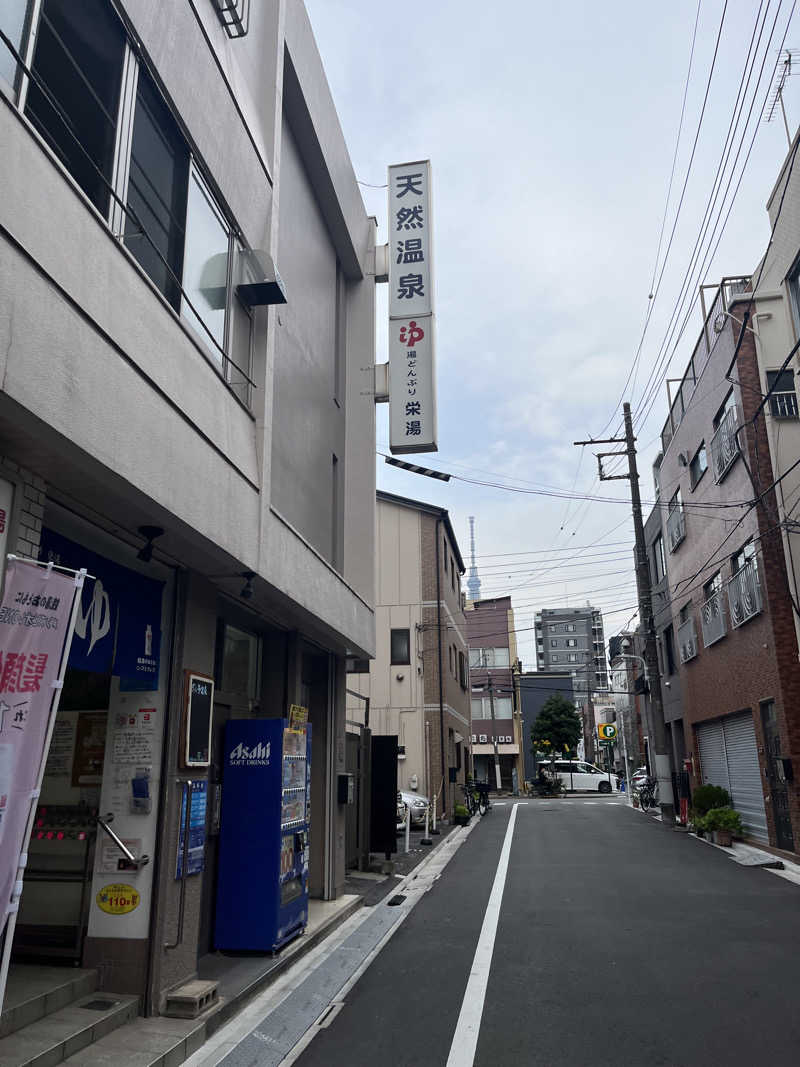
(257, 756)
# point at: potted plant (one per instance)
(460, 815)
(706, 797)
(725, 823)
(698, 822)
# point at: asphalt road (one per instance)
(619, 942)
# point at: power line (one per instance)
(661, 365)
(651, 299)
(654, 296)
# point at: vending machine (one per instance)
(262, 886)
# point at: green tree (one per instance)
(559, 724)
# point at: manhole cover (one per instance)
(397, 899)
(99, 1005)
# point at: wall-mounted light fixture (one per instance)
(259, 282)
(149, 533)
(247, 591)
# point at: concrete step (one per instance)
(34, 991)
(68, 1031)
(156, 1042)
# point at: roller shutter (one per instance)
(745, 773)
(729, 757)
(712, 754)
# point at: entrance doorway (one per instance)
(784, 837)
(54, 908)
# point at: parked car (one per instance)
(418, 804)
(577, 775)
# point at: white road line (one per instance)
(465, 1039)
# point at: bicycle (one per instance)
(476, 796)
(647, 794)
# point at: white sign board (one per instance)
(412, 386)
(412, 363)
(410, 273)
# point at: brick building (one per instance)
(731, 610)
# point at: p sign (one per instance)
(607, 731)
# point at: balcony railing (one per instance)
(687, 641)
(676, 527)
(744, 594)
(713, 619)
(724, 445)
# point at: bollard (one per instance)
(408, 827)
(434, 830)
(426, 839)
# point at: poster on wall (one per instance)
(118, 629)
(196, 851)
(34, 625)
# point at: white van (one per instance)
(576, 775)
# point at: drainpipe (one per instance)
(439, 650)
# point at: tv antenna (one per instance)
(776, 95)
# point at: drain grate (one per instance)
(398, 898)
(99, 1005)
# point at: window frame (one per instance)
(773, 379)
(727, 404)
(133, 64)
(393, 660)
(701, 450)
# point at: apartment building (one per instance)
(732, 622)
(570, 640)
(418, 682)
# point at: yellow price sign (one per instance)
(118, 899)
(607, 731)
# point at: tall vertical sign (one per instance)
(37, 617)
(412, 364)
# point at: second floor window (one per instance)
(93, 101)
(78, 58)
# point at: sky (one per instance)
(552, 131)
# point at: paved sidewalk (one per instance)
(274, 1023)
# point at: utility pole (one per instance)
(497, 778)
(645, 608)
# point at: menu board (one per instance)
(198, 713)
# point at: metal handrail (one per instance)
(103, 821)
(712, 618)
(744, 594)
(725, 444)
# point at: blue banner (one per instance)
(118, 629)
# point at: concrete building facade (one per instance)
(154, 172)
(570, 640)
(418, 682)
